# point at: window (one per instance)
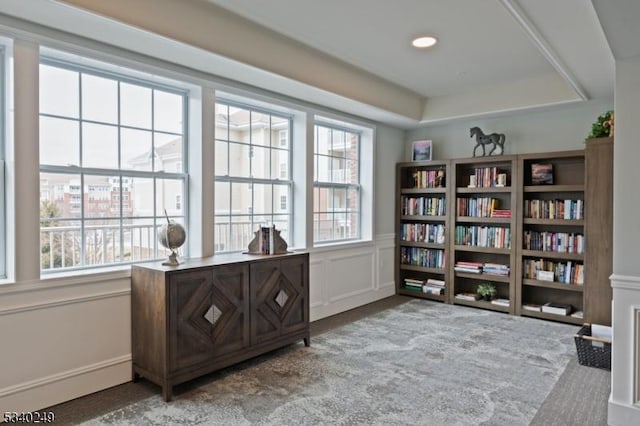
(178, 202)
(283, 202)
(336, 186)
(106, 138)
(283, 137)
(250, 176)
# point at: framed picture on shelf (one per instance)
(542, 174)
(421, 151)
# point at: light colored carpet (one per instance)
(420, 363)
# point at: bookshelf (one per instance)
(551, 240)
(422, 218)
(504, 233)
(599, 227)
(482, 231)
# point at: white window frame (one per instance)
(250, 181)
(364, 186)
(124, 175)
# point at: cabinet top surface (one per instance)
(216, 260)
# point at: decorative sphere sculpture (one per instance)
(172, 236)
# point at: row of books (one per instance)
(555, 308)
(482, 268)
(562, 272)
(554, 209)
(501, 213)
(429, 179)
(559, 242)
(477, 207)
(417, 256)
(423, 206)
(487, 177)
(483, 236)
(430, 286)
(266, 240)
(423, 232)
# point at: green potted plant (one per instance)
(486, 291)
(603, 126)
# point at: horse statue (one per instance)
(497, 139)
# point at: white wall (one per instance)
(557, 129)
(624, 404)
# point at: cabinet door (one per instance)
(229, 311)
(189, 331)
(279, 294)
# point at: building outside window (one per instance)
(336, 186)
(253, 172)
(111, 155)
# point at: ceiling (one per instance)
(493, 56)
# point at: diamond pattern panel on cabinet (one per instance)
(280, 305)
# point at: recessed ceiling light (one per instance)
(422, 42)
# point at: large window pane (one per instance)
(135, 149)
(59, 142)
(99, 146)
(336, 203)
(135, 106)
(59, 91)
(98, 213)
(253, 172)
(167, 111)
(99, 99)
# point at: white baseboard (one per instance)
(51, 390)
(623, 414)
(346, 304)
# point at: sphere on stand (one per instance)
(172, 236)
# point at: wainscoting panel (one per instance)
(346, 277)
(624, 403)
(63, 340)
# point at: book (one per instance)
(467, 296)
(500, 302)
(556, 308)
(532, 307)
(542, 174)
(578, 314)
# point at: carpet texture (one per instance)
(419, 363)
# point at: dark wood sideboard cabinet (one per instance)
(209, 313)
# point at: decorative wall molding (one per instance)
(44, 381)
(63, 302)
(636, 357)
(625, 282)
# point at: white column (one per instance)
(25, 162)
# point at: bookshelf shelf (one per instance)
(418, 191)
(557, 222)
(423, 218)
(481, 304)
(487, 190)
(475, 249)
(472, 219)
(483, 277)
(553, 284)
(553, 255)
(423, 269)
(417, 293)
(422, 244)
(544, 315)
(554, 188)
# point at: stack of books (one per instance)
(470, 267)
(413, 284)
(501, 213)
(532, 307)
(433, 286)
(556, 308)
(500, 302)
(495, 269)
(467, 296)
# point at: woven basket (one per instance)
(592, 352)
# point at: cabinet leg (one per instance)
(167, 392)
(307, 341)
